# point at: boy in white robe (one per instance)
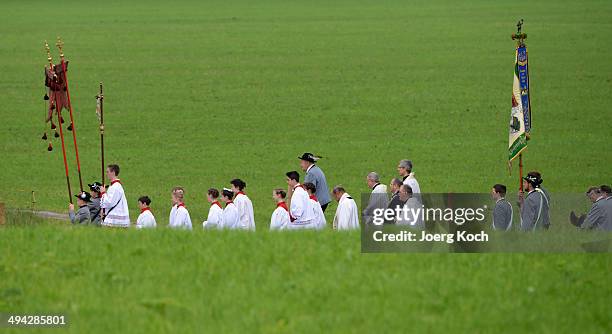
(347, 216)
(215, 213)
(231, 217)
(179, 216)
(316, 206)
(280, 217)
(146, 218)
(113, 201)
(300, 209)
(244, 205)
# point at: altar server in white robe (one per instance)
(146, 218)
(300, 209)
(215, 213)
(316, 206)
(347, 216)
(280, 217)
(231, 217)
(179, 216)
(244, 205)
(113, 201)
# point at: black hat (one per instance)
(95, 186)
(534, 179)
(309, 157)
(84, 196)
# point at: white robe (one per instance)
(230, 218)
(318, 212)
(280, 219)
(116, 206)
(245, 209)
(146, 220)
(301, 211)
(347, 216)
(413, 183)
(179, 218)
(215, 216)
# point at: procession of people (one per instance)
(303, 205)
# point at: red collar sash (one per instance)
(282, 205)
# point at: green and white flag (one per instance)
(520, 116)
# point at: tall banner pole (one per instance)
(521, 172)
(60, 46)
(100, 112)
(59, 119)
(520, 117)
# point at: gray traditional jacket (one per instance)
(502, 215)
(81, 217)
(315, 176)
(598, 218)
(95, 211)
(534, 213)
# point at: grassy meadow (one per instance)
(198, 93)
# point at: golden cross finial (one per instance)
(49, 58)
(60, 46)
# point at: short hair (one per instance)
(310, 187)
(280, 192)
(293, 175)
(179, 192)
(214, 193)
(114, 168)
(396, 181)
(406, 164)
(407, 188)
(145, 200)
(500, 189)
(228, 193)
(606, 189)
(596, 190)
(238, 183)
(374, 176)
(338, 189)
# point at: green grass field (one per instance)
(199, 93)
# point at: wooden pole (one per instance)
(521, 172)
(100, 99)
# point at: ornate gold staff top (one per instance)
(49, 58)
(60, 46)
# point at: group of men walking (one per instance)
(302, 205)
(535, 207)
